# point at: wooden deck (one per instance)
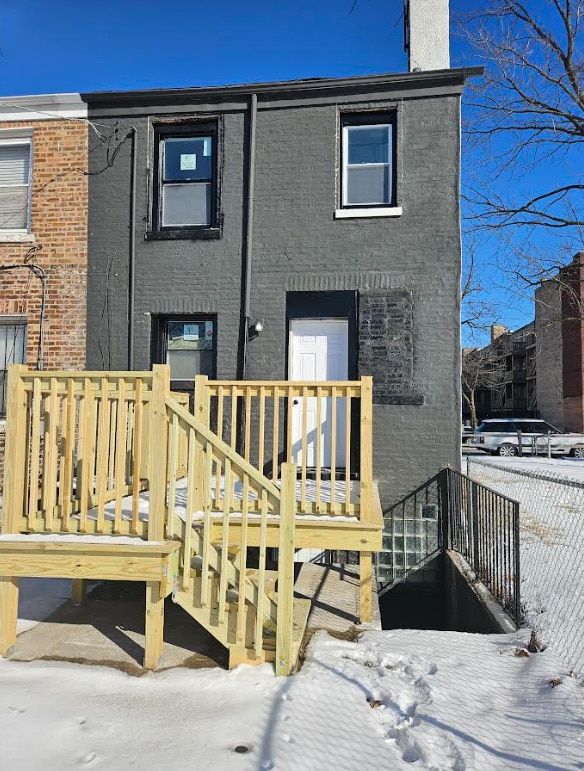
(109, 475)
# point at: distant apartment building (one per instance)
(512, 362)
(541, 364)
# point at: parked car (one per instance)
(500, 436)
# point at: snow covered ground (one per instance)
(571, 468)
(391, 700)
(551, 521)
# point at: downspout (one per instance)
(248, 251)
(132, 250)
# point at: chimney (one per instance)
(427, 34)
(497, 330)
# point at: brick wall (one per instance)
(299, 246)
(59, 226)
(548, 331)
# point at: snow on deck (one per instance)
(181, 501)
(391, 700)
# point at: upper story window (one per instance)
(368, 163)
(185, 192)
(15, 184)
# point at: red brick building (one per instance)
(559, 321)
(43, 234)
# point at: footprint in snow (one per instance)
(89, 758)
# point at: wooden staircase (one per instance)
(247, 614)
(84, 449)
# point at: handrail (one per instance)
(316, 425)
(221, 447)
(76, 441)
(211, 459)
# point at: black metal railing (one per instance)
(483, 526)
(452, 511)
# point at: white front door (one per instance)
(318, 351)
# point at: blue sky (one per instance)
(73, 45)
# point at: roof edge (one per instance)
(42, 107)
(454, 76)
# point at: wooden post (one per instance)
(366, 451)
(8, 614)
(285, 615)
(154, 631)
(201, 407)
(157, 452)
(15, 449)
(78, 591)
(366, 586)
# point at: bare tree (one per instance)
(481, 369)
(527, 114)
(478, 312)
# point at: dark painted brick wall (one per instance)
(299, 246)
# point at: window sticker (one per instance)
(191, 332)
(206, 147)
(188, 162)
(208, 329)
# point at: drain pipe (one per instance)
(132, 250)
(248, 251)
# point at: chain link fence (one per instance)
(551, 527)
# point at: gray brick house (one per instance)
(233, 230)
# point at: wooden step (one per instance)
(225, 632)
(232, 573)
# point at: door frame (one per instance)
(325, 305)
(334, 305)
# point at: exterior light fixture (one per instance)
(255, 328)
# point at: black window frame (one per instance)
(159, 345)
(193, 129)
(385, 117)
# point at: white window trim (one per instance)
(345, 157)
(20, 136)
(373, 211)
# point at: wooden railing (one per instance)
(323, 428)
(76, 442)
(211, 462)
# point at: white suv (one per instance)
(501, 436)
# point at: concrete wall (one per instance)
(548, 331)
(298, 245)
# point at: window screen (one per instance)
(14, 185)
